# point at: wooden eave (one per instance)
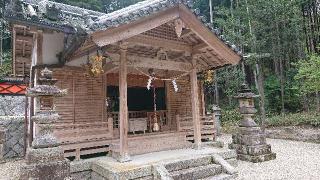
(132, 32)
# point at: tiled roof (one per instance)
(51, 14)
(62, 16)
(136, 11)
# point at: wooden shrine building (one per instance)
(107, 62)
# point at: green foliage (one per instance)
(309, 74)
(229, 120)
(311, 118)
(273, 97)
(5, 69)
(232, 116)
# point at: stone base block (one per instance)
(44, 155)
(257, 158)
(249, 130)
(250, 140)
(58, 170)
(251, 145)
(251, 150)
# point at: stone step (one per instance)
(188, 163)
(197, 172)
(145, 178)
(222, 176)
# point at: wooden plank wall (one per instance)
(180, 102)
(85, 100)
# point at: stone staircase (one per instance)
(197, 168)
(185, 166)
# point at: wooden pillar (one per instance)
(123, 111)
(195, 105)
(203, 102)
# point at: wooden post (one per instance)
(203, 102)
(123, 111)
(195, 105)
(178, 122)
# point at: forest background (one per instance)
(280, 43)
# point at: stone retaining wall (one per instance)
(12, 136)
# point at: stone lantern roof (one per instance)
(245, 92)
(46, 86)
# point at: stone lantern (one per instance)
(250, 141)
(45, 159)
(217, 114)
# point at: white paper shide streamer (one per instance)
(149, 83)
(175, 86)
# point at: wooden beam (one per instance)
(145, 40)
(24, 38)
(126, 31)
(14, 51)
(20, 59)
(199, 47)
(143, 62)
(109, 67)
(195, 106)
(123, 111)
(39, 36)
(207, 36)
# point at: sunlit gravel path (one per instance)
(295, 161)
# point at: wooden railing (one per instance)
(185, 124)
(162, 117)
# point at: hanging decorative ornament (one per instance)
(150, 84)
(209, 76)
(94, 65)
(156, 127)
(175, 86)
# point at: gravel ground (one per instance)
(295, 161)
(9, 170)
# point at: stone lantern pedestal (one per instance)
(250, 141)
(45, 159)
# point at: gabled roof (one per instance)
(72, 19)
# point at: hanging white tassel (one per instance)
(175, 86)
(149, 83)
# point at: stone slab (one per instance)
(142, 166)
(251, 150)
(44, 155)
(256, 159)
(54, 171)
(253, 139)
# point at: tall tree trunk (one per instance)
(282, 87)
(318, 101)
(260, 87)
